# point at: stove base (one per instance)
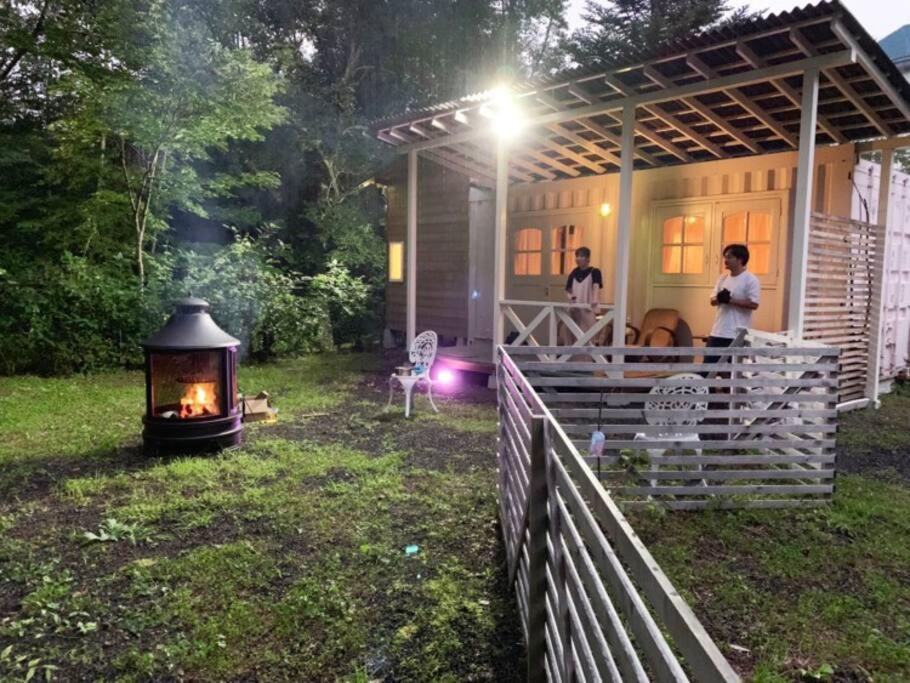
(205, 435)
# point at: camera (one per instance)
(724, 296)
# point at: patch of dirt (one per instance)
(883, 464)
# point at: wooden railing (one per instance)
(755, 429)
(539, 323)
(594, 604)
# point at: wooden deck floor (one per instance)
(476, 357)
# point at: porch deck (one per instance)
(475, 357)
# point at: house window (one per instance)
(528, 252)
(396, 261)
(752, 228)
(683, 245)
(564, 240)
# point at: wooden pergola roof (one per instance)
(725, 93)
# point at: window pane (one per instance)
(759, 226)
(695, 229)
(760, 258)
(574, 238)
(534, 262)
(521, 264)
(673, 230)
(672, 258)
(734, 228)
(396, 261)
(528, 239)
(693, 261)
(561, 262)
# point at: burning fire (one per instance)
(199, 400)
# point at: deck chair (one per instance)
(658, 328)
(422, 355)
(664, 398)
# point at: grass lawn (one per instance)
(283, 560)
(818, 595)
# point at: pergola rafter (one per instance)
(720, 96)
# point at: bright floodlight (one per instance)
(605, 209)
(508, 119)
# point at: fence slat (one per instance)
(699, 650)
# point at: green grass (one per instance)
(812, 595)
(283, 560)
(886, 429)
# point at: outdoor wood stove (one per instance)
(191, 384)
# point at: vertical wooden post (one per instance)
(501, 224)
(877, 321)
(411, 285)
(564, 619)
(624, 227)
(802, 210)
(537, 553)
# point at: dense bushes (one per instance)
(80, 315)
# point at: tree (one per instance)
(619, 30)
(175, 96)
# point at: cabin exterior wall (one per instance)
(442, 248)
(443, 229)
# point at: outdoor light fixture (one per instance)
(605, 209)
(507, 118)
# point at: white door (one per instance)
(543, 254)
(687, 242)
(755, 223)
(681, 255)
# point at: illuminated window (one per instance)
(752, 228)
(683, 245)
(564, 240)
(528, 252)
(396, 261)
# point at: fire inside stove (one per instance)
(186, 385)
(199, 400)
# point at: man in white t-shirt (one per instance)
(736, 295)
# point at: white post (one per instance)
(624, 227)
(802, 210)
(873, 364)
(412, 249)
(501, 243)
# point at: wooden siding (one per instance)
(845, 259)
(762, 176)
(443, 231)
(442, 249)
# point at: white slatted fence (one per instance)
(594, 604)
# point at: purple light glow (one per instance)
(445, 377)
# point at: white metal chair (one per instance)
(422, 355)
(664, 399)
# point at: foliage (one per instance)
(619, 30)
(217, 145)
(74, 316)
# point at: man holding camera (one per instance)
(736, 295)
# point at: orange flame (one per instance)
(199, 400)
